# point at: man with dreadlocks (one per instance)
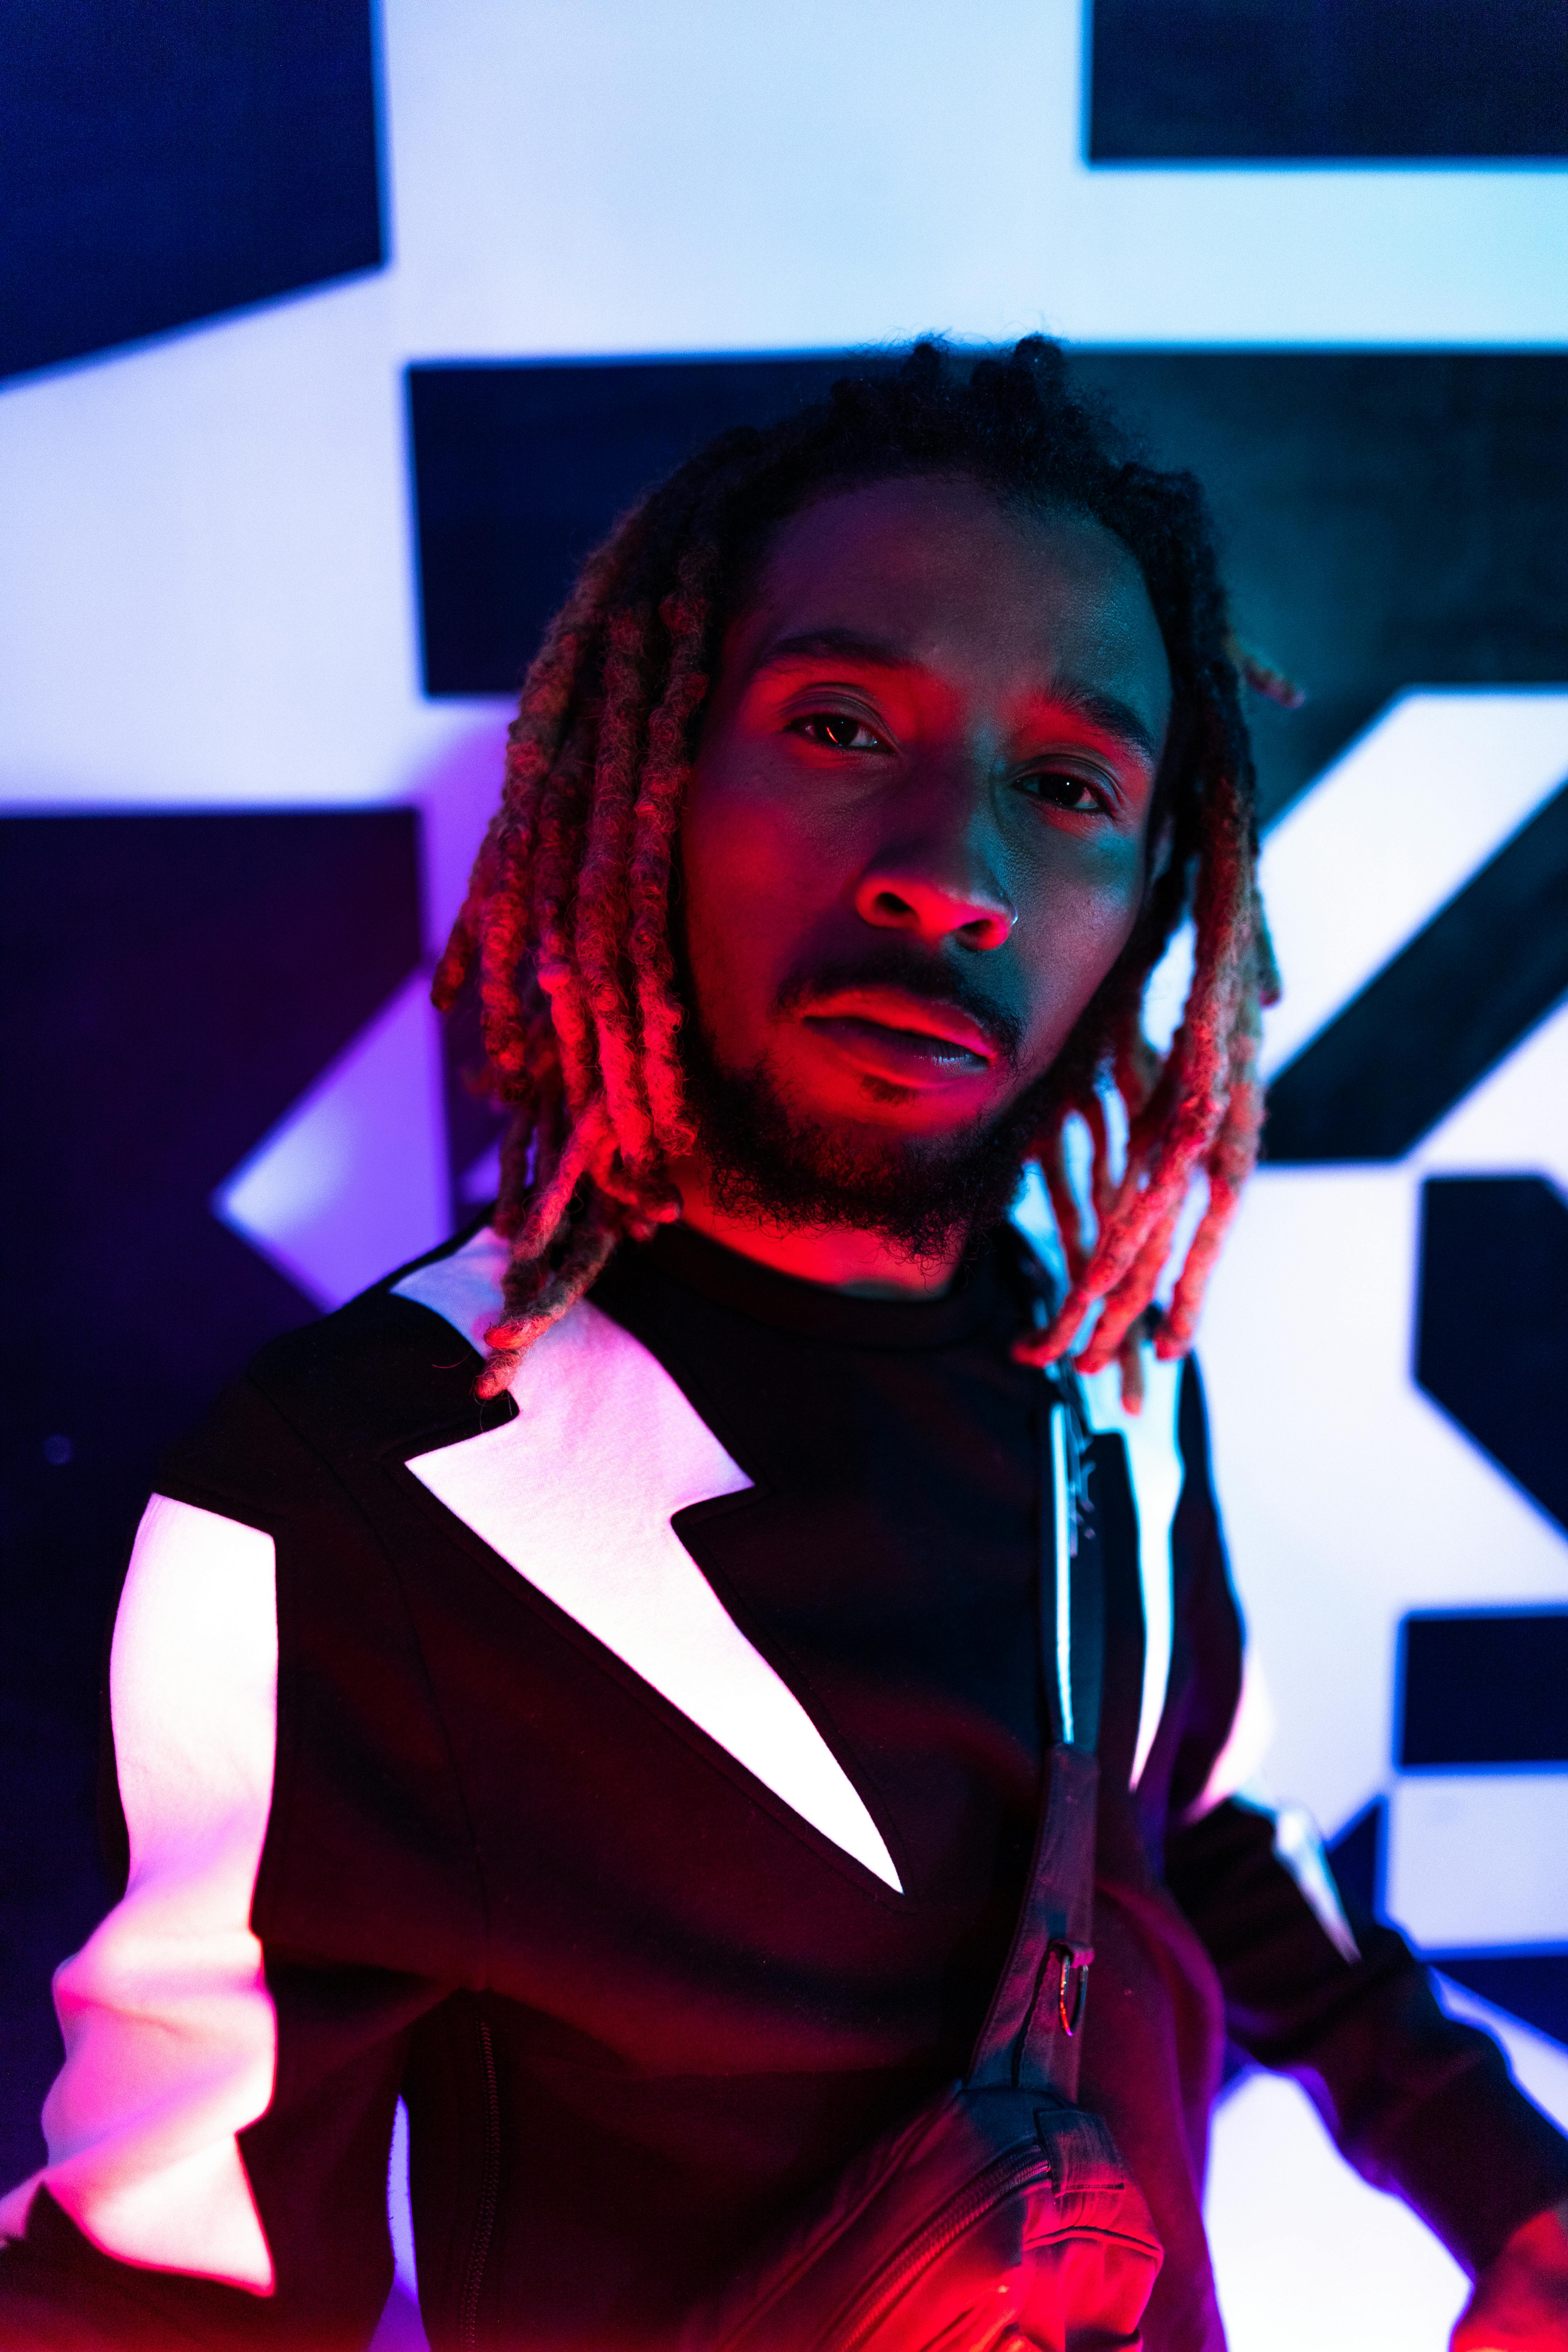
(589, 1686)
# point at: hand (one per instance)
(1521, 2302)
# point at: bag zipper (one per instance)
(999, 2182)
(490, 2196)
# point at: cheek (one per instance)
(758, 853)
(735, 850)
(724, 858)
(1071, 933)
(745, 877)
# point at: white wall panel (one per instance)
(206, 586)
(1349, 1498)
(1435, 787)
(1479, 1858)
(589, 175)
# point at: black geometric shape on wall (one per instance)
(169, 986)
(1492, 1336)
(1344, 81)
(1531, 1986)
(163, 161)
(1387, 517)
(1355, 1856)
(1438, 1016)
(520, 470)
(1482, 1686)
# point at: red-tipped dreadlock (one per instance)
(567, 916)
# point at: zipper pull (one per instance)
(1078, 1432)
(1068, 1385)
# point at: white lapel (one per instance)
(1155, 1465)
(1154, 1459)
(578, 1493)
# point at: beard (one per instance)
(771, 1163)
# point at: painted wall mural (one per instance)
(267, 584)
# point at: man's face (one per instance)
(916, 839)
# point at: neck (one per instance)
(840, 1257)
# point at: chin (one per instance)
(921, 1189)
(798, 1147)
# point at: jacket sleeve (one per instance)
(1313, 1986)
(204, 2187)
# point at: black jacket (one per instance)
(558, 1827)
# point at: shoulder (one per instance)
(393, 1371)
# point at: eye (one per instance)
(1059, 791)
(836, 730)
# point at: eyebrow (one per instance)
(1108, 712)
(836, 644)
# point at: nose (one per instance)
(937, 889)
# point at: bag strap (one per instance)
(1031, 2030)
(1071, 1614)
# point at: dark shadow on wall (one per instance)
(1324, 81)
(165, 161)
(171, 984)
(1387, 519)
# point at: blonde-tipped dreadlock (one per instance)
(567, 917)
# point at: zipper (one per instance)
(999, 2182)
(490, 2197)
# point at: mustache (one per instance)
(914, 972)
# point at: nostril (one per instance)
(891, 908)
(975, 919)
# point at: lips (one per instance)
(905, 1039)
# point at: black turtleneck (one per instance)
(897, 1592)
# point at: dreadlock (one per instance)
(567, 918)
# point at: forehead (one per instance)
(950, 579)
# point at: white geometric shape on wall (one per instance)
(1349, 1498)
(1516, 1121)
(352, 1182)
(1305, 2254)
(1388, 834)
(1479, 1860)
